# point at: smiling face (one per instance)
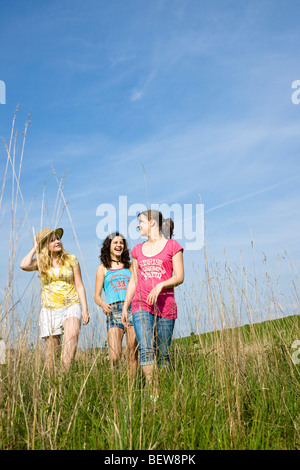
(116, 247)
(54, 244)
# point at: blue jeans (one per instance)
(154, 335)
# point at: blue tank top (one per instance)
(115, 284)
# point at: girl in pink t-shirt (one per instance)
(157, 267)
(153, 270)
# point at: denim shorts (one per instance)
(154, 336)
(114, 318)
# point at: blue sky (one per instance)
(156, 101)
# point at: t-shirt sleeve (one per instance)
(176, 247)
(74, 261)
(134, 252)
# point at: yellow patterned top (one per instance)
(60, 292)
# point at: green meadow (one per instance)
(231, 389)
(236, 387)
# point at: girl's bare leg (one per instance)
(52, 346)
(114, 339)
(71, 333)
(132, 351)
(150, 373)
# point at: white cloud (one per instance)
(136, 95)
(254, 194)
(139, 93)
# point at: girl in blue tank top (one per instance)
(115, 284)
(113, 276)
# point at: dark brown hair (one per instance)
(105, 251)
(166, 226)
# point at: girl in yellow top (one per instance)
(62, 293)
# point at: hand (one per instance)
(106, 308)
(124, 318)
(85, 317)
(152, 297)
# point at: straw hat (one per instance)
(46, 232)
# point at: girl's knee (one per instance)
(115, 356)
(71, 327)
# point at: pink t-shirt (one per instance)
(151, 271)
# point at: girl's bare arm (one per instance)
(28, 263)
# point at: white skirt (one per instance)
(51, 321)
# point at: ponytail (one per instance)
(167, 228)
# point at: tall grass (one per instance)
(235, 387)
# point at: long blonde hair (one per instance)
(44, 258)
